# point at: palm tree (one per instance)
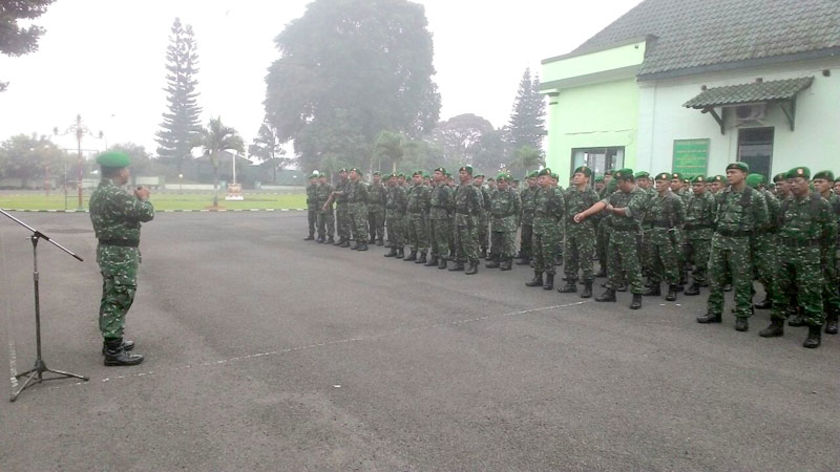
(215, 139)
(267, 147)
(527, 157)
(388, 145)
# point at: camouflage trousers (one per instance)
(416, 232)
(623, 260)
(697, 254)
(525, 239)
(545, 242)
(376, 221)
(502, 245)
(800, 273)
(580, 249)
(396, 231)
(730, 259)
(343, 220)
(326, 224)
(440, 232)
(359, 219)
(118, 266)
(663, 260)
(764, 260)
(831, 280)
(602, 241)
(484, 230)
(312, 219)
(466, 238)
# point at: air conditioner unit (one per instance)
(749, 113)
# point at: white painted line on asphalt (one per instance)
(13, 365)
(306, 347)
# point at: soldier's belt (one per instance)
(790, 242)
(734, 234)
(119, 242)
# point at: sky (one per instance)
(105, 60)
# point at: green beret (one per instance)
(599, 178)
(377, 173)
(755, 180)
(583, 170)
(624, 174)
(642, 175)
(426, 175)
(441, 170)
(502, 176)
(609, 172)
(113, 159)
(742, 166)
(343, 170)
(779, 177)
(355, 170)
(698, 179)
(677, 175)
(417, 172)
(467, 169)
(534, 174)
(662, 176)
(401, 175)
(314, 175)
(686, 180)
(479, 176)
(555, 176)
(824, 174)
(392, 175)
(545, 171)
(799, 172)
(718, 178)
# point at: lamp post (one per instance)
(79, 130)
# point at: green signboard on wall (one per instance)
(691, 156)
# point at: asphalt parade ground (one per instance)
(268, 353)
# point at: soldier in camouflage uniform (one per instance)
(484, 217)
(699, 218)
(626, 208)
(741, 211)
(681, 187)
(764, 241)
(505, 208)
(417, 211)
(823, 182)
(468, 205)
(580, 237)
(376, 210)
(805, 221)
(326, 217)
(548, 213)
(527, 235)
(312, 205)
(664, 214)
(116, 216)
(643, 182)
(342, 213)
(395, 203)
(441, 207)
(356, 193)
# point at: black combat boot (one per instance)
(709, 318)
(400, 252)
(380, 242)
(392, 252)
(524, 260)
(831, 323)
(493, 263)
(116, 355)
(654, 291)
(742, 324)
(776, 329)
(537, 281)
(472, 269)
(622, 287)
(506, 264)
(549, 282)
(421, 259)
(362, 246)
(320, 240)
(459, 266)
(765, 304)
(331, 240)
(411, 257)
(346, 243)
(814, 337)
(570, 287)
(693, 289)
(672, 293)
(796, 320)
(309, 238)
(126, 345)
(637, 301)
(607, 296)
(483, 254)
(372, 240)
(433, 261)
(587, 289)
(356, 245)
(442, 263)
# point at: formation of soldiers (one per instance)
(717, 232)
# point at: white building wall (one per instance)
(814, 143)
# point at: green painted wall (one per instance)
(569, 67)
(598, 115)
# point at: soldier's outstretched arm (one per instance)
(596, 208)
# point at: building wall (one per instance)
(598, 115)
(814, 142)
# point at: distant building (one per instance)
(690, 85)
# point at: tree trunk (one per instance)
(215, 186)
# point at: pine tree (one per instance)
(181, 127)
(527, 122)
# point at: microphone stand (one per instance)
(36, 374)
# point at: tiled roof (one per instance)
(696, 33)
(755, 92)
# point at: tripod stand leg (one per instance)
(26, 383)
(68, 374)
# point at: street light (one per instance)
(79, 131)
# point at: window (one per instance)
(755, 147)
(598, 159)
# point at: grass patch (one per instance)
(161, 201)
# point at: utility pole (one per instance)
(80, 131)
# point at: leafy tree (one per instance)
(358, 66)
(457, 137)
(29, 157)
(215, 139)
(527, 122)
(266, 147)
(14, 39)
(388, 146)
(140, 160)
(419, 154)
(526, 159)
(181, 127)
(491, 152)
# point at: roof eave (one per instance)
(584, 52)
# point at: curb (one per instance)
(252, 210)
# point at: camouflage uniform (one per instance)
(116, 216)
(312, 208)
(764, 244)
(664, 214)
(416, 212)
(739, 215)
(699, 218)
(548, 214)
(376, 211)
(468, 205)
(505, 208)
(441, 205)
(624, 240)
(828, 261)
(395, 203)
(342, 211)
(580, 237)
(527, 235)
(326, 218)
(484, 220)
(356, 193)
